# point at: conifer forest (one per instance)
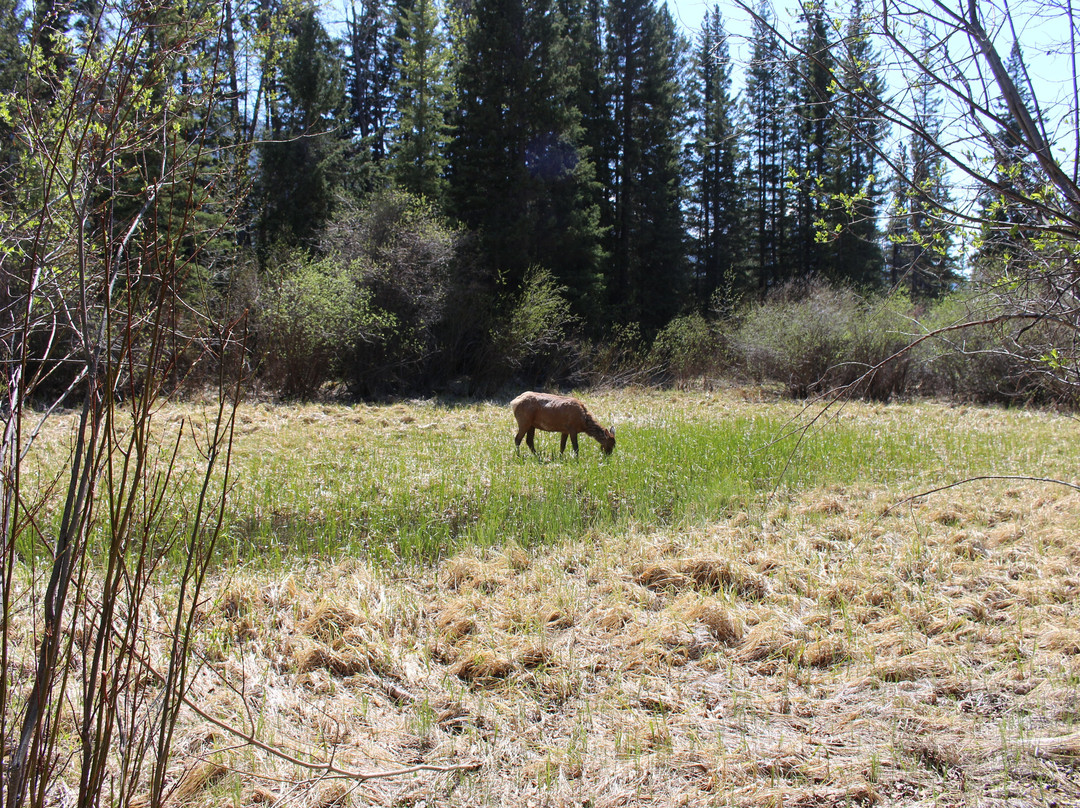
(384, 197)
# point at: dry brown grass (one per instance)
(825, 650)
(816, 654)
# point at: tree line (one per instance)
(407, 194)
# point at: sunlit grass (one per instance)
(732, 602)
(417, 481)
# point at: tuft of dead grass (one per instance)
(706, 574)
(827, 653)
(310, 656)
(716, 574)
(329, 622)
(723, 625)
(470, 573)
(197, 779)
(483, 667)
(1063, 640)
(1065, 748)
(660, 576)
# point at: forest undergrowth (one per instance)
(730, 610)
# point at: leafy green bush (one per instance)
(878, 364)
(531, 342)
(402, 254)
(307, 319)
(686, 349)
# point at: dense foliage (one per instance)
(385, 193)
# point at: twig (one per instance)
(979, 478)
(330, 768)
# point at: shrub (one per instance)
(812, 337)
(401, 253)
(686, 349)
(308, 319)
(531, 341)
(988, 362)
(618, 360)
(877, 363)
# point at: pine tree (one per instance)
(812, 133)
(900, 242)
(12, 72)
(647, 278)
(716, 215)
(50, 26)
(571, 221)
(201, 198)
(519, 176)
(422, 97)
(488, 177)
(854, 253)
(584, 40)
(371, 55)
(926, 264)
(767, 141)
(300, 164)
(1008, 226)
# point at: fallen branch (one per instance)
(328, 768)
(980, 478)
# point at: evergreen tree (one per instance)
(900, 243)
(1008, 225)
(518, 174)
(854, 253)
(488, 177)
(766, 181)
(301, 162)
(924, 260)
(811, 144)
(570, 230)
(647, 278)
(194, 204)
(12, 76)
(50, 26)
(373, 50)
(422, 95)
(584, 40)
(716, 205)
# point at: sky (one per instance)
(1041, 27)
(689, 12)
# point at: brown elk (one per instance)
(549, 413)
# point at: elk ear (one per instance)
(613, 432)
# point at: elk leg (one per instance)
(573, 441)
(529, 439)
(562, 443)
(520, 435)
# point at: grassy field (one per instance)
(418, 481)
(732, 609)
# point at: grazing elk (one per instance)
(549, 413)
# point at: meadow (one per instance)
(418, 481)
(751, 602)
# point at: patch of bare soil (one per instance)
(821, 655)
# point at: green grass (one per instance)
(416, 482)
